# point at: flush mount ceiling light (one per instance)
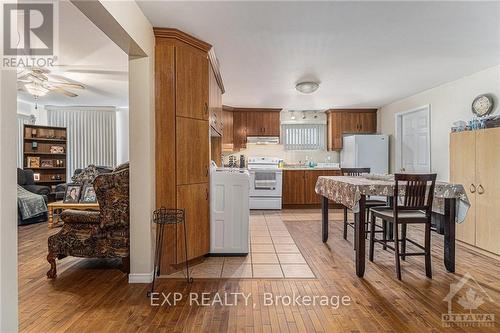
(307, 87)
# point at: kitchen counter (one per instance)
(309, 169)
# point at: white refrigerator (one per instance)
(366, 151)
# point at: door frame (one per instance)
(398, 122)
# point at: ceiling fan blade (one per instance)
(64, 92)
(24, 81)
(65, 84)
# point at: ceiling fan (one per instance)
(37, 83)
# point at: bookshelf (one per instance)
(44, 150)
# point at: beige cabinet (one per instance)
(474, 162)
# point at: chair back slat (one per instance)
(354, 171)
(419, 192)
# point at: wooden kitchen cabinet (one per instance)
(311, 177)
(255, 123)
(262, 122)
(293, 187)
(192, 163)
(215, 103)
(183, 84)
(271, 123)
(227, 129)
(239, 130)
(349, 121)
(191, 72)
(194, 199)
(474, 163)
(299, 186)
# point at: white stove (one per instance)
(265, 182)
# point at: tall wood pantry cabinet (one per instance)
(182, 140)
(474, 163)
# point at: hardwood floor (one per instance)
(94, 296)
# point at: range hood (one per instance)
(263, 140)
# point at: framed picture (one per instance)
(47, 163)
(72, 194)
(88, 194)
(56, 149)
(33, 162)
(36, 176)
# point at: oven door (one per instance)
(265, 183)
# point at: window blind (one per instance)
(304, 136)
(91, 135)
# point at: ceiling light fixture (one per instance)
(292, 116)
(307, 87)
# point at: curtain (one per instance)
(304, 136)
(21, 120)
(91, 135)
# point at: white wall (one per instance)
(449, 102)
(122, 135)
(288, 156)
(8, 205)
(142, 129)
(28, 108)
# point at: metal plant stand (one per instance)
(162, 217)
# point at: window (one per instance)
(91, 135)
(304, 136)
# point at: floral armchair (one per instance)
(92, 234)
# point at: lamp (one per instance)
(307, 87)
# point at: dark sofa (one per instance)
(61, 188)
(26, 179)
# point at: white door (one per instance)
(414, 141)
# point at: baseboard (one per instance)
(140, 277)
(479, 250)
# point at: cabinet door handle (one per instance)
(206, 194)
(472, 188)
(206, 168)
(206, 107)
(480, 189)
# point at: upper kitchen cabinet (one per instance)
(349, 121)
(262, 122)
(227, 129)
(192, 82)
(215, 89)
(239, 130)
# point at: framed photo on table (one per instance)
(72, 194)
(88, 194)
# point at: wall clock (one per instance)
(482, 105)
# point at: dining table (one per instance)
(449, 200)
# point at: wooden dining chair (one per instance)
(370, 203)
(414, 207)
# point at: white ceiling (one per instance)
(365, 54)
(86, 56)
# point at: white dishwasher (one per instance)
(229, 210)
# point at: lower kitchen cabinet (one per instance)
(299, 185)
(293, 187)
(194, 199)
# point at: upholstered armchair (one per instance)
(92, 234)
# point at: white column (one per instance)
(8, 206)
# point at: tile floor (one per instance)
(273, 254)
